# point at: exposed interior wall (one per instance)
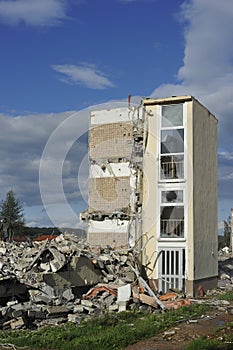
(111, 239)
(115, 153)
(109, 194)
(205, 193)
(114, 140)
(113, 233)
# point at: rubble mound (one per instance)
(59, 280)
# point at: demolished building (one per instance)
(153, 186)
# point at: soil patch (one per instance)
(178, 337)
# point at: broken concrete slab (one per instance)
(56, 311)
(147, 299)
(124, 293)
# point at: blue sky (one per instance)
(122, 44)
(62, 58)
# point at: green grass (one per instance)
(226, 296)
(203, 343)
(109, 332)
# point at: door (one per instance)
(171, 273)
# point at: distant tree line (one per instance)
(33, 232)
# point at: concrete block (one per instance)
(122, 306)
(56, 311)
(109, 300)
(124, 293)
(17, 324)
(68, 295)
(78, 309)
(87, 303)
(37, 314)
(113, 307)
(229, 287)
(74, 318)
(45, 267)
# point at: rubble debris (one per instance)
(225, 271)
(98, 289)
(65, 279)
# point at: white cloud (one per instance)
(33, 12)
(44, 156)
(206, 73)
(207, 66)
(23, 139)
(84, 74)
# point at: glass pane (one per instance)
(172, 222)
(172, 115)
(172, 141)
(172, 196)
(172, 167)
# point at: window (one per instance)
(172, 115)
(174, 196)
(172, 214)
(172, 143)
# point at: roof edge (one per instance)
(151, 101)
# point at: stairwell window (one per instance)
(172, 214)
(172, 142)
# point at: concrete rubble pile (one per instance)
(65, 279)
(225, 267)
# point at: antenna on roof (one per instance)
(129, 98)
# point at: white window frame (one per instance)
(171, 187)
(160, 128)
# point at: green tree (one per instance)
(12, 210)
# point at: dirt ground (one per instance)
(178, 337)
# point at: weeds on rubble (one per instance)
(226, 296)
(109, 332)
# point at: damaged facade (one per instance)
(115, 175)
(153, 186)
